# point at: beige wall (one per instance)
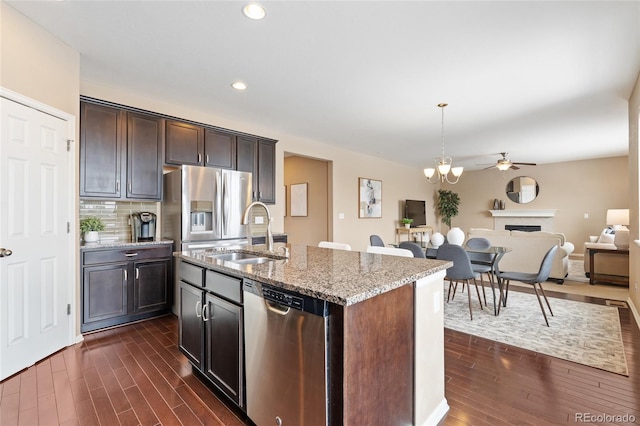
(573, 188)
(634, 201)
(313, 228)
(36, 64)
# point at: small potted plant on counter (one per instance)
(406, 222)
(90, 226)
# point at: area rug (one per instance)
(579, 332)
(576, 271)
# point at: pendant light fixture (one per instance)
(443, 164)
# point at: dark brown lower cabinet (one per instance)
(211, 327)
(124, 285)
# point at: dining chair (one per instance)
(481, 262)
(460, 271)
(332, 245)
(533, 279)
(389, 250)
(414, 248)
(375, 240)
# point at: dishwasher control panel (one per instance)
(287, 298)
(283, 298)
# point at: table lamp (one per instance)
(619, 218)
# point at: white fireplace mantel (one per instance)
(523, 213)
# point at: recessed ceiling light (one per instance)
(254, 11)
(238, 85)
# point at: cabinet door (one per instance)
(224, 337)
(144, 156)
(184, 143)
(101, 138)
(150, 291)
(219, 149)
(247, 156)
(190, 323)
(266, 172)
(104, 294)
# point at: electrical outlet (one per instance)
(340, 215)
(259, 220)
(586, 215)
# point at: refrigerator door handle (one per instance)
(225, 203)
(218, 209)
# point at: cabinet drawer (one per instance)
(224, 285)
(120, 255)
(190, 273)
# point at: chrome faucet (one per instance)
(246, 216)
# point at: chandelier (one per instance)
(443, 164)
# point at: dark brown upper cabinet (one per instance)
(184, 143)
(219, 149)
(194, 145)
(120, 153)
(258, 157)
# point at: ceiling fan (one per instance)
(505, 164)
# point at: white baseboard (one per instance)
(438, 414)
(634, 311)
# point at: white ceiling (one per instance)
(545, 81)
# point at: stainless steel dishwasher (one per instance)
(286, 356)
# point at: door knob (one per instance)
(5, 252)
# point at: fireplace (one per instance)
(525, 228)
(543, 219)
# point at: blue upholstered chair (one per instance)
(415, 249)
(460, 271)
(533, 279)
(376, 241)
(481, 262)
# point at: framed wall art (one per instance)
(369, 198)
(299, 199)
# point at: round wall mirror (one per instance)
(522, 189)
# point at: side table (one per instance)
(418, 230)
(605, 278)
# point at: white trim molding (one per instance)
(523, 213)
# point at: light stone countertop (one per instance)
(338, 276)
(121, 244)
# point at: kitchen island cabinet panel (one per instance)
(190, 335)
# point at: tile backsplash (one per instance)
(115, 215)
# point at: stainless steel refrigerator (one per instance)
(202, 207)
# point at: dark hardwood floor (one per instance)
(135, 375)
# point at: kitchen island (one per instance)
(385, 344)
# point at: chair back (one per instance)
(479, 243)
(461, 269)
(332, 245)
(414, 248)
(390, 251)
(545, 265)
(375, 240)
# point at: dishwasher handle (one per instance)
(277, 308)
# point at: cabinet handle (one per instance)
(260, 194)
(199, 157)
(129, 185)
(207, 157)
(125, 274)
(137, 273)
(117, 186)
(198, 306)
(131, 254)
(204, 310)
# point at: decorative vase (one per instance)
(455, 236)
(502, 205)
(437, 239)
(91, 237)
(496, 204)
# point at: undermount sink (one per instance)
(242, 258)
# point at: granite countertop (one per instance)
(338, 276)
(123, 244)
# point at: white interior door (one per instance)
(34, 212)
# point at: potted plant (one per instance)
(448, 202)
(90, 226)
(406, 222)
